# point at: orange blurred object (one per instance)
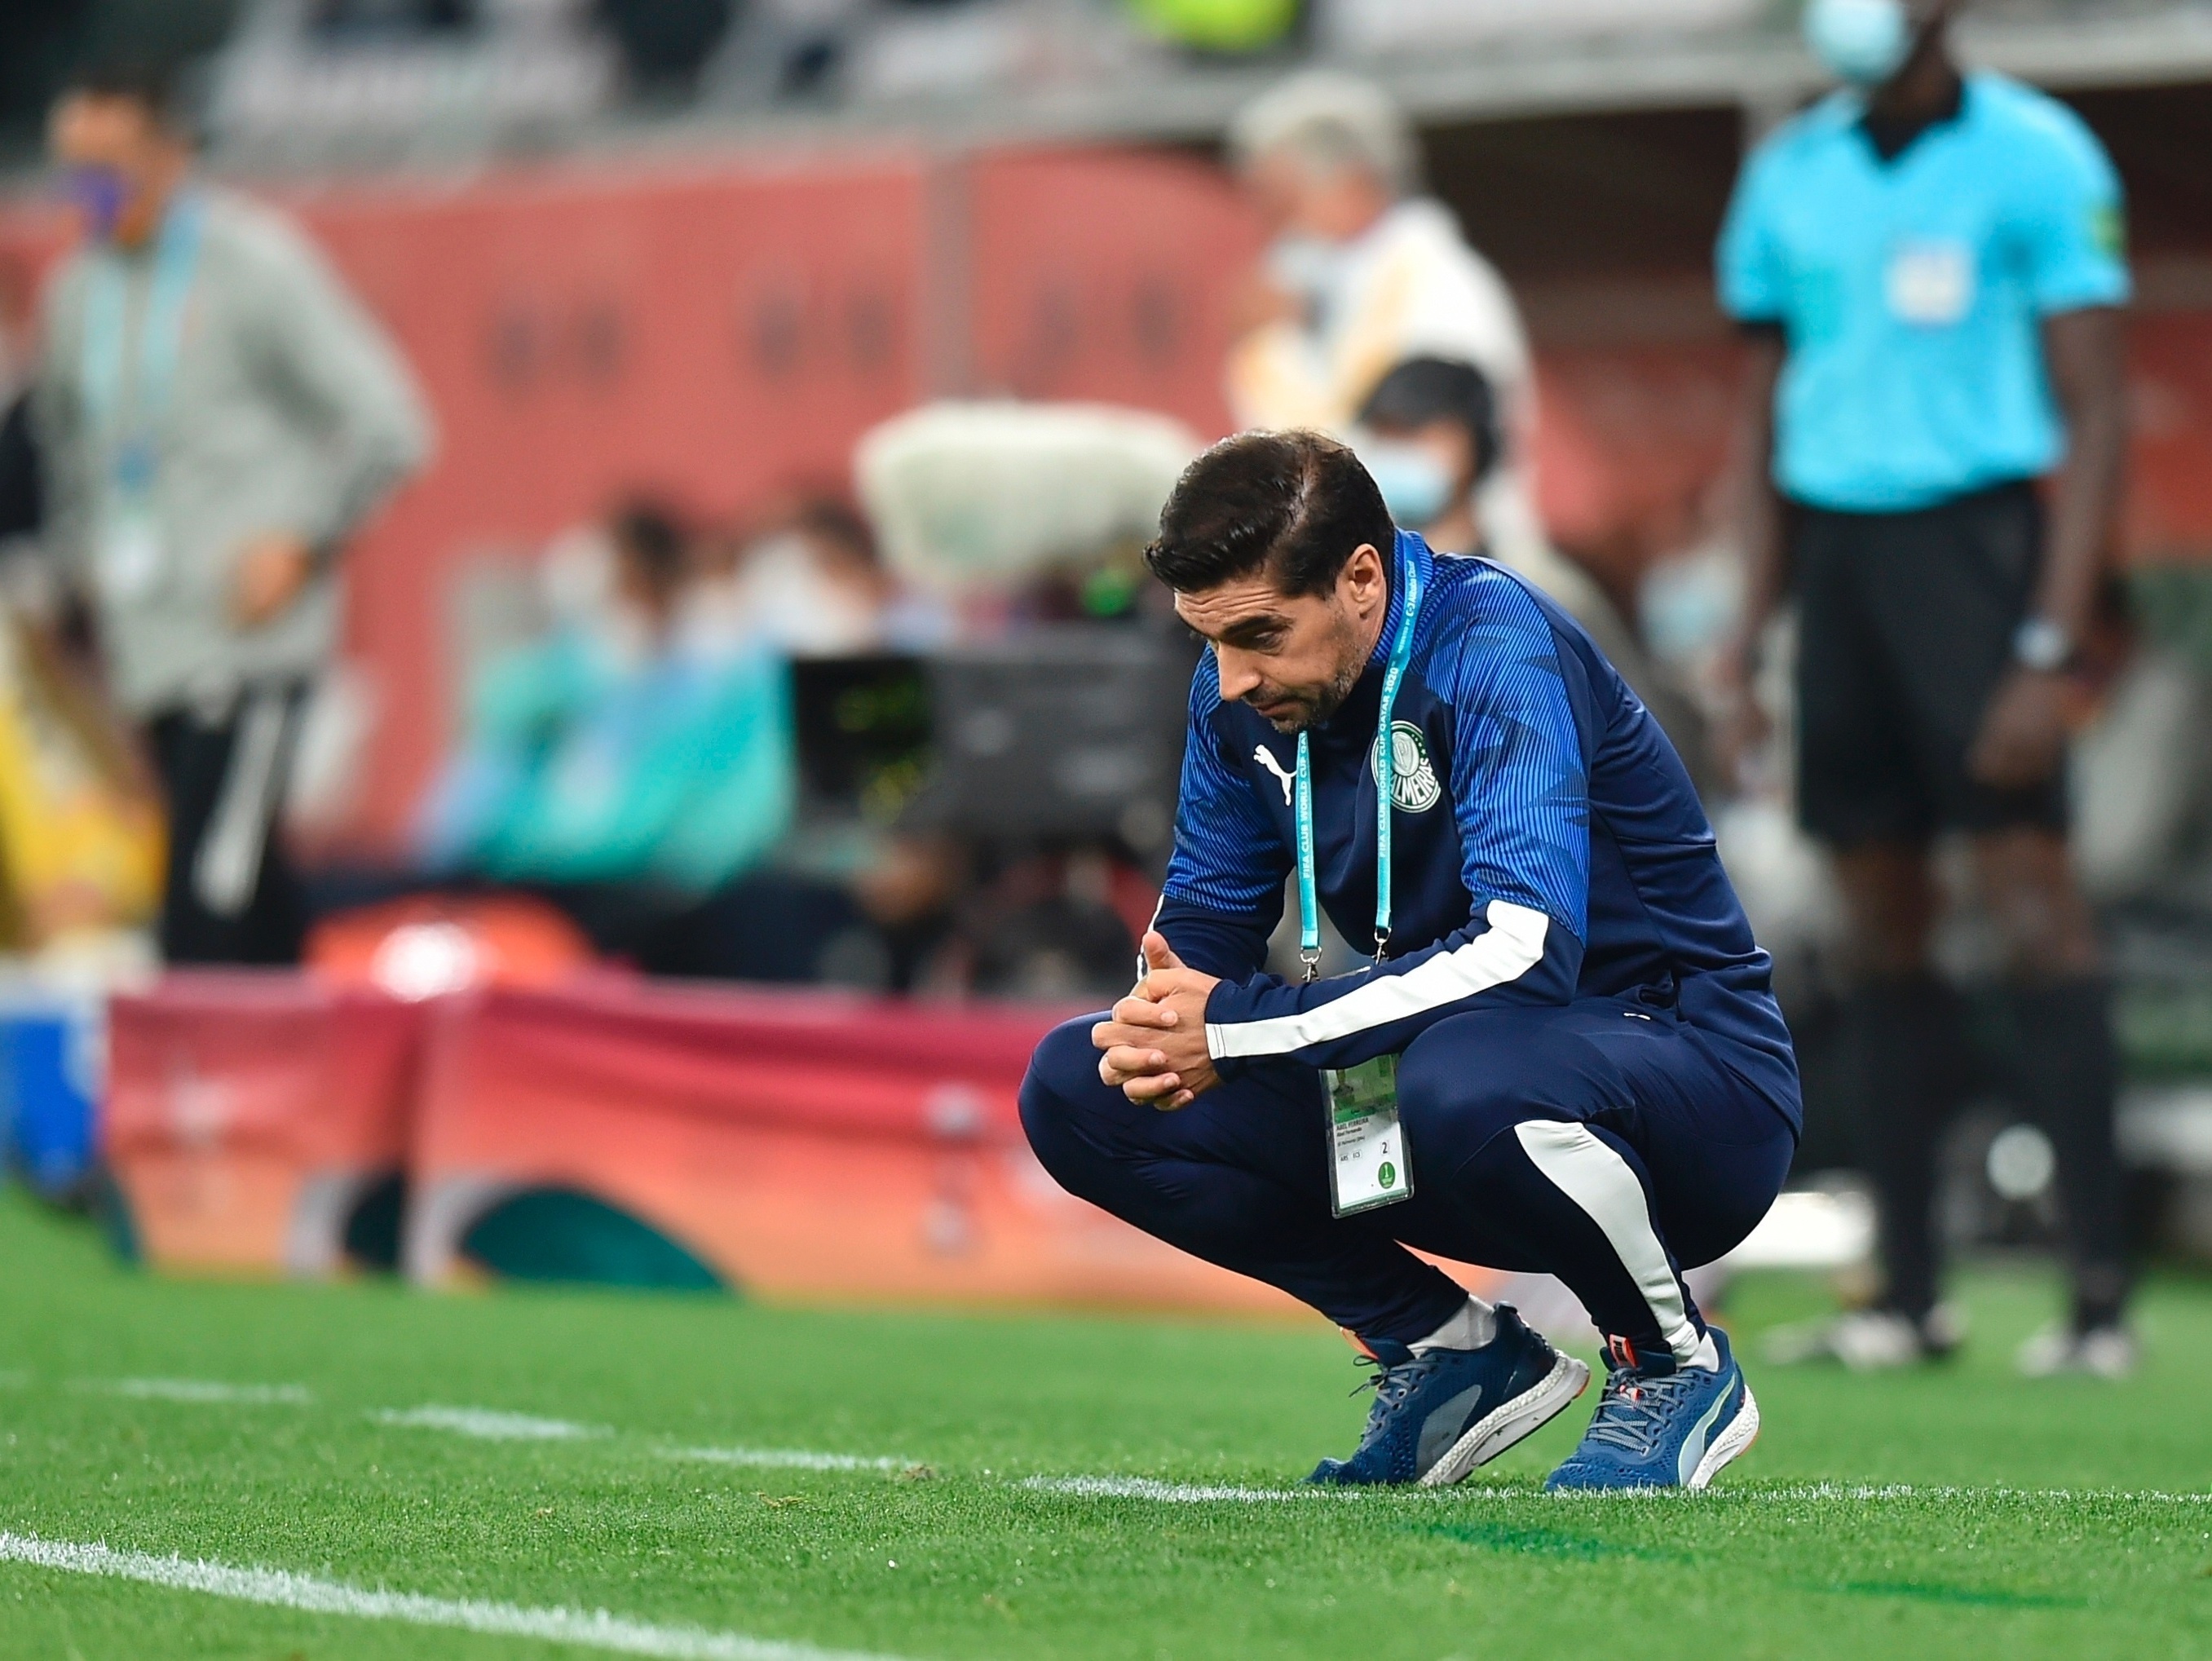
(427, 945)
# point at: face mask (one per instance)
(1304, 265)
(99, 194)
(1863, 42)
(1415, 486)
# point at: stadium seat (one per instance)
(257, 1121)
(793, 1146)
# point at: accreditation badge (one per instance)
(130, 553)
(1929, 284)
(1368, 1166)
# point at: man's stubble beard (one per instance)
(1330, 698)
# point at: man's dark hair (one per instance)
(155, 84)
(651, 535)
(835, 520)
(1295, 504)
(1425, 389)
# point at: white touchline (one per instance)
(281, 1588)
(212, 1391)
(1175, 1494)
(1950, 1491)
(488, 1423)
(1188, 1493)
(786, 1459)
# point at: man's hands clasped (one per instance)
(1154, 1043)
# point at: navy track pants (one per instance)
(1605, 1142)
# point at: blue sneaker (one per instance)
(1656, 1429)
(1440, 1413)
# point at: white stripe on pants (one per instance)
(1583, 1167)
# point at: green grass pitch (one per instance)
(1953, 1512)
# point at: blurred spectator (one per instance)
(808, 583)
(1930, 268)
(1431, 441)
(215, 415)
(1363, 274)
(637, 769)
(1430, 437)
(621, 754)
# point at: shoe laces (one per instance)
(1633, 1411)
(1391, 1385)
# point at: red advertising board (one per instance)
(247, 1112)
(799, 1146)
(1105, 274)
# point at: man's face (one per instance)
(120, 162)
(1294, 658)
(1295, 197)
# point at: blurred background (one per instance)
(759, 602)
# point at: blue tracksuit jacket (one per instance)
(1548, 846)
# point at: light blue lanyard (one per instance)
(160, 339)
(1385, 772)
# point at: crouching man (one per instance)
(1566, 1057)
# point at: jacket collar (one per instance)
(1407, 550)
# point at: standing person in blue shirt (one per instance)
(1928, 268)
(1565, 1058)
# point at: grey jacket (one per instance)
(289, 411)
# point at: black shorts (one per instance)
(1906, 627)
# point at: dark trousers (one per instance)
(1906, 630)
(217, 786)
(2062, 1067)
(1603, 1142)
